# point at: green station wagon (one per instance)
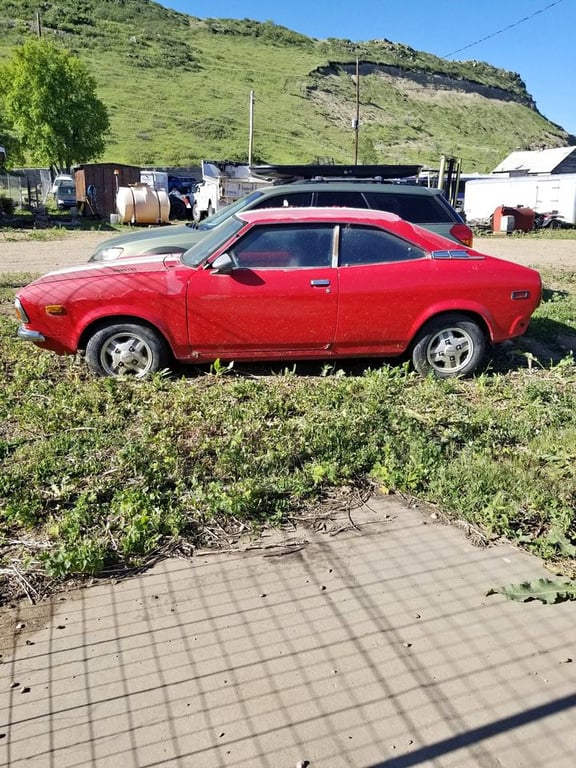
(418, 205)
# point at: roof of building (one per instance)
(536, 161)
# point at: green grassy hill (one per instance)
(178, 89)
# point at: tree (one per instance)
(51, 103)
(7, 144)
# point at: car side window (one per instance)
(287, 200)
(368, 245)
(340, 199)
(284, 247)
(417, 209)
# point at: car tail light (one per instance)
(463, 233)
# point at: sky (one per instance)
(535, 38)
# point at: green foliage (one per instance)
(6, 141)
(177, 90)
(267, 31)
(50, 100)
(556, 315)
(7, 205)
(545, 590)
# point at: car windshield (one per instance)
(212, 241)
(67, 190)
(217, 218)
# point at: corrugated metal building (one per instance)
(538, 162)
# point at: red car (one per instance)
(277, 284)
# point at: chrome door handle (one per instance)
(319, 283)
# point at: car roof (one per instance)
(317, 215)
(334, 214)
(386, 188)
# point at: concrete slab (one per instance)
(374, 648)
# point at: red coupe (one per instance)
(278, 284)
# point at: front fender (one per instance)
(175, 333)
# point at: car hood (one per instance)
(151, 236)
(99, 269)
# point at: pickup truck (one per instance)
(222, 183)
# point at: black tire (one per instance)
(126, 349)
(177, 209)
(449, 346)
(555, 224)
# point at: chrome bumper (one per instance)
(24, 333)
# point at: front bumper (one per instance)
(28, 335)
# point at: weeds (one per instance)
(106, 471)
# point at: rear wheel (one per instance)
(449, 346)
(177, 208)
(126, 349)
(210, 209)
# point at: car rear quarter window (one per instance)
(334, 198)
(417, 209)
(285, 200)
(368, 245)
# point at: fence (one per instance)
(25, 187)
(11, 186)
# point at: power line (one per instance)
(504, 29)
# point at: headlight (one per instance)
(107, 254)
(20, 313)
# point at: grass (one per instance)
(16, 234)
(101, 473)
(556, 318)
(20, 226)
(536, 234)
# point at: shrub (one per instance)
(7, 205)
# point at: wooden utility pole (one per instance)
(38, 24)
(251, 128)
(356, 121)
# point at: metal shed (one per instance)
(98, 183)
(540, 161)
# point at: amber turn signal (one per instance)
(55, 309)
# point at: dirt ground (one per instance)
(20, 255)
(76, 247)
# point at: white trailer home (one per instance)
(553, 192)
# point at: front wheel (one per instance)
(126, 349)
(196, 213)
(449, 346)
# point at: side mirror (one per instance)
(223, 264)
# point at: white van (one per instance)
(62, 179)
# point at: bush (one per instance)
(7, 206)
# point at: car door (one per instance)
(280, 298)
(383, 286)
